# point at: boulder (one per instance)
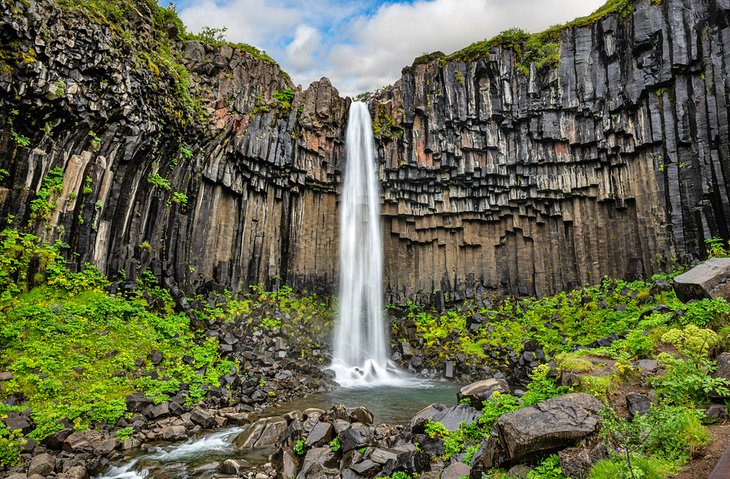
(450, 417)
(357, 436)
(638, 404)
(520, 471)
(234, 466)
(577, 462)
(723, 366)
(319, 463)
(174, 433)
(548, 426)
(320, 434)
(82, 441)
(137, 402)
(42, 464)
(360, 414)
(480, 391)
(455, 470)
(75, 472)
(203, 418)
(265, 432)
(711, 279)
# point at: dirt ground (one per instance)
(701, 466)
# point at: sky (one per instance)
(363, 45)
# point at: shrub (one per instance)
(436, 429)
(702, 312)
(573, 363)
(549, 468)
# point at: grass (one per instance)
(76, 351)
(541, 49)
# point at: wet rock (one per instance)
(202, 418)
(157, 411)
(262, 433)
(234, 466)
(355, 437)
(42, 464)
(480, 391)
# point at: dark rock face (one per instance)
(258, 178)
(494, 180)
(614, 164)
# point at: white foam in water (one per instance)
(193, 448)
(360, 342)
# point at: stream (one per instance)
(199, 456)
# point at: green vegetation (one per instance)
(45, 199)
(717, 248)
(539, 49)
(159, 182)
(549, 468)
(74, 349)
(77, 351)
(335, 445)
(299, 448)
(284, 97)
(646, 317)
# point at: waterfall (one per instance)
(361, 340)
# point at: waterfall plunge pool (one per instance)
(198, 457)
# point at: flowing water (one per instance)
(360, 342)
(197, 458)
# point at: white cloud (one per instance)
(362, 51)
(248, 21)
(300, 52)
(398, 33)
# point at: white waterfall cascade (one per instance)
(361, 340)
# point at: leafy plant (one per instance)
(335, 445)
(299, 447)
(284, 97)
(45, 199)
(549, 468)
(436, 429)
(19, 139)
(158, 181)
(702, 312)
(717, 248)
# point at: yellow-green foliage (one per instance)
(691, 339)
(573, 363)
(599, 386)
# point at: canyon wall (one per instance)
(614, 163)
(189, 158)
(176, 156)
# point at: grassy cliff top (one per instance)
(124, 15)
(527, 44)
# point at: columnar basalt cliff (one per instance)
(176, 156)
(614, 163)
(207, 166)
